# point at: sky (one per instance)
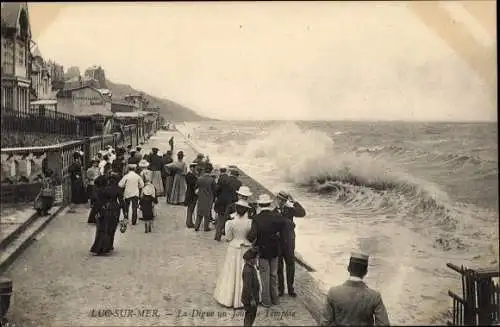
(287, 60)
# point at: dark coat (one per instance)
(354, 304)
(251, 286)
(225, 193)
(118, 166)
(191, 180)
(155, 162)
(287, 235)
(235, 185)
(146, 203)
(265, 230)
(206, 192)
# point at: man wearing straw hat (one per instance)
(353, 303)
(264, 233)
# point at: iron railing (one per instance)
(480, 301)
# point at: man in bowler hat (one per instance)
(353, 303)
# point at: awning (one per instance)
(132, 114)
(44, 102)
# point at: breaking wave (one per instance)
(357, 179)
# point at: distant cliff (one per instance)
(170, 110)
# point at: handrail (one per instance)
(44, 148)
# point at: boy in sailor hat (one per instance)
(251, 286)
(353, 302)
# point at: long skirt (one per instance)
(78, 193)
(229, 283)
(168, 187)
(178, 190)
(158, 183)
(106, 224)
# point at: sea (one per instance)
(414, 196)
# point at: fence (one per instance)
(22, 168)
(479, 304)
(41, 121)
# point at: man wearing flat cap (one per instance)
(353, 303)
(288, 208)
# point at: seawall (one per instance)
(309, 288)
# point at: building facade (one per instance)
(41, 81)
(83, 101)
(15, 57)
(137, 100)
(98, 74)
(56, 74)
(122, 107)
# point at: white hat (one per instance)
(242, 203)
(264, 199)
(244, 191)
(148, 189)
(132, 166)
(143, 163)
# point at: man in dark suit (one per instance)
(191, 196)
(266, 226)
(353, 303)
(206, 190)
(235, 183)
(288, 209)
(227, 186)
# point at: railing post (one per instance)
(470, 299)
(87, 151)
(54, 160)
(485, 303)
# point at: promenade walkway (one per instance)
(163, 278)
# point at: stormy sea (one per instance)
(412, 195)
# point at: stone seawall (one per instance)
(310, 290)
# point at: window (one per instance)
(21, 53)
(8, 54)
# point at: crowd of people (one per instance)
(260, 234)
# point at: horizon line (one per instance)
(355, 120)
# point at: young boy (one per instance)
(251, 287)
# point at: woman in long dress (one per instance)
(229, 283)
(156, 166)
(179, 186)
(169, 174)
(108, 216)
(78, 195)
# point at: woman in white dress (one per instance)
(229, 282)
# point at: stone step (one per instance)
(24, 238)
(10, 230)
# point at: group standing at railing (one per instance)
(260, 234)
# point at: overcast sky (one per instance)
(254, 60)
